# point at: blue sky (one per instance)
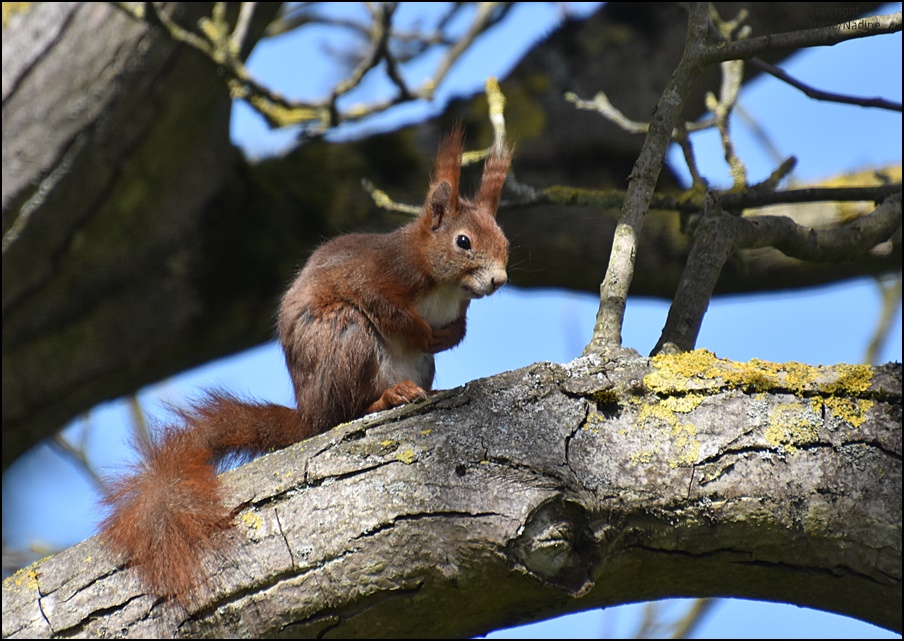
(48, 502)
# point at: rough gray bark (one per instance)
(535, 493)
(138, 242)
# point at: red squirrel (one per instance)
(359, 327)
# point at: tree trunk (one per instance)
(534, 493)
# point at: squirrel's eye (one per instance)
(463, 241)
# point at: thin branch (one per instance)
(620, 272)
(496, 104)
(817, 94)
(824, 245)
(732, 78)
(380, 31)
(818, 37)
(732, 75)
(482, 21)
(714, 242)
(695, 615)
(759, 133)
(604, 106)
(687, 149)
(239, 37)
(77, 454)
(875, 193)
(718, 235)
(691, 200)
(224, 48)
(383, 200)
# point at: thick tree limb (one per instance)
(538, 492)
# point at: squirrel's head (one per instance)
(466, 245)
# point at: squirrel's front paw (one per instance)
(404, 392)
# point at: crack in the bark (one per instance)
(285, 539)
(306, 482)
(423, 516)
(80, 628)
(761, 450)
(834, 571)
(577, 428)
(49, 47)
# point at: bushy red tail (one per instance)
(167, 516)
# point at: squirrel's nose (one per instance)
(498, 279)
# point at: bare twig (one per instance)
(761, 198)
(496, 104)
(239, 36)
(603, 105)
(224, 47)
(383, 201)
(695, 615)
(620, 272)
(817, 94)
(759, 133)
(714, 242)
(77, 454)
(485, 18)
(687, 149)
(818, 37)
(732, 75)
(718, 235)
(692, 200)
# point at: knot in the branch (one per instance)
(558, 546)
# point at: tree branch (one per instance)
(222, 47)
(718, 235)
(829, 245)
(817, 94)
(819, 37)
(542, 491)
(714, 241)
(620, 272)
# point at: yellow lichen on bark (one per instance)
(701, 369)
(792, 425)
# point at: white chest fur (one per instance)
(400, 361)
(442, 306)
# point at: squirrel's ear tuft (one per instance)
(448, 162)
(494, 172)
(442, 199)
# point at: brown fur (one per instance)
(359, 327)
